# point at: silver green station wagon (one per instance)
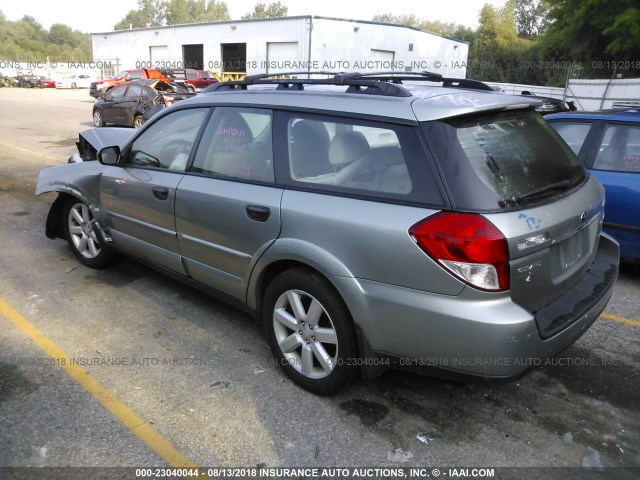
(369, 221)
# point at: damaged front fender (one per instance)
(81, 181)
(91, 141)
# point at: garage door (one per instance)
(383, 59)
(280, 56)
(158, 53)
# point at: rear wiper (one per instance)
(561, 185)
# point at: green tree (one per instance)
(150, 13)
(497, 51)
(589, 31)
(62, 35)
(177, 12)
(531, 17)
(447, 29)
(26, 40)
(211, 11)
(408, 20)
(273, 10)
(29, 27)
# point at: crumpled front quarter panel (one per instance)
(81, 180)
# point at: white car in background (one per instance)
(75, 81)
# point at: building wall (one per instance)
(358, 46)
(132, 49)
(335, 45)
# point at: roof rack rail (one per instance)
(372, 83)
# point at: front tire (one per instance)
(310, 331)
(81, 236)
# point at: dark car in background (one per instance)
(27, 81)
(132, 103)
(608, 144)
(548, 105)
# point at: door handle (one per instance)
(161, 193)
(258, 213)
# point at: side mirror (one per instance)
(109, 155)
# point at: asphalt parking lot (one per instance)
(126, 368)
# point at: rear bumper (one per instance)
(475, 333)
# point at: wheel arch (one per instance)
(370, 368)
(288, 253)
(54, 228)
(260, 282)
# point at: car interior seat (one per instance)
(349, 154)
(309, 149)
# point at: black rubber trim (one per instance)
(624, 228)
(581, 297)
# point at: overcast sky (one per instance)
(101, 16)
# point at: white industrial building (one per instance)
(275, 45)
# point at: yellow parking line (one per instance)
(32, 152)
(617, 318)
(156, 442)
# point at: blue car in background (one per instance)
(608, 144)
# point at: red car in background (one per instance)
(195, 80)
(44, 82)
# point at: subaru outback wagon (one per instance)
(369, 222)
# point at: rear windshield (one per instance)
(500, 161)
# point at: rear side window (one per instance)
(357, 157)
(572, 133)
(134, 91)
(620, 149)
(118, 92)
(500, 161)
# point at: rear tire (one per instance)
(138, 121)
(310, 331)
(80, 234)
(98, 121)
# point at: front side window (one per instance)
(348, 155)
(620, 149)
(572, 133)
(168, 142)
(503, 160)
(237, 143)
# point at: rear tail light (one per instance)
(467, 245)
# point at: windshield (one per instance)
(121, 74)
(510, 159)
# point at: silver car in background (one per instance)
(369, 223)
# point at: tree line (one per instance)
(155, 13)
(535, 42)
(26, 40)
(540, 42)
